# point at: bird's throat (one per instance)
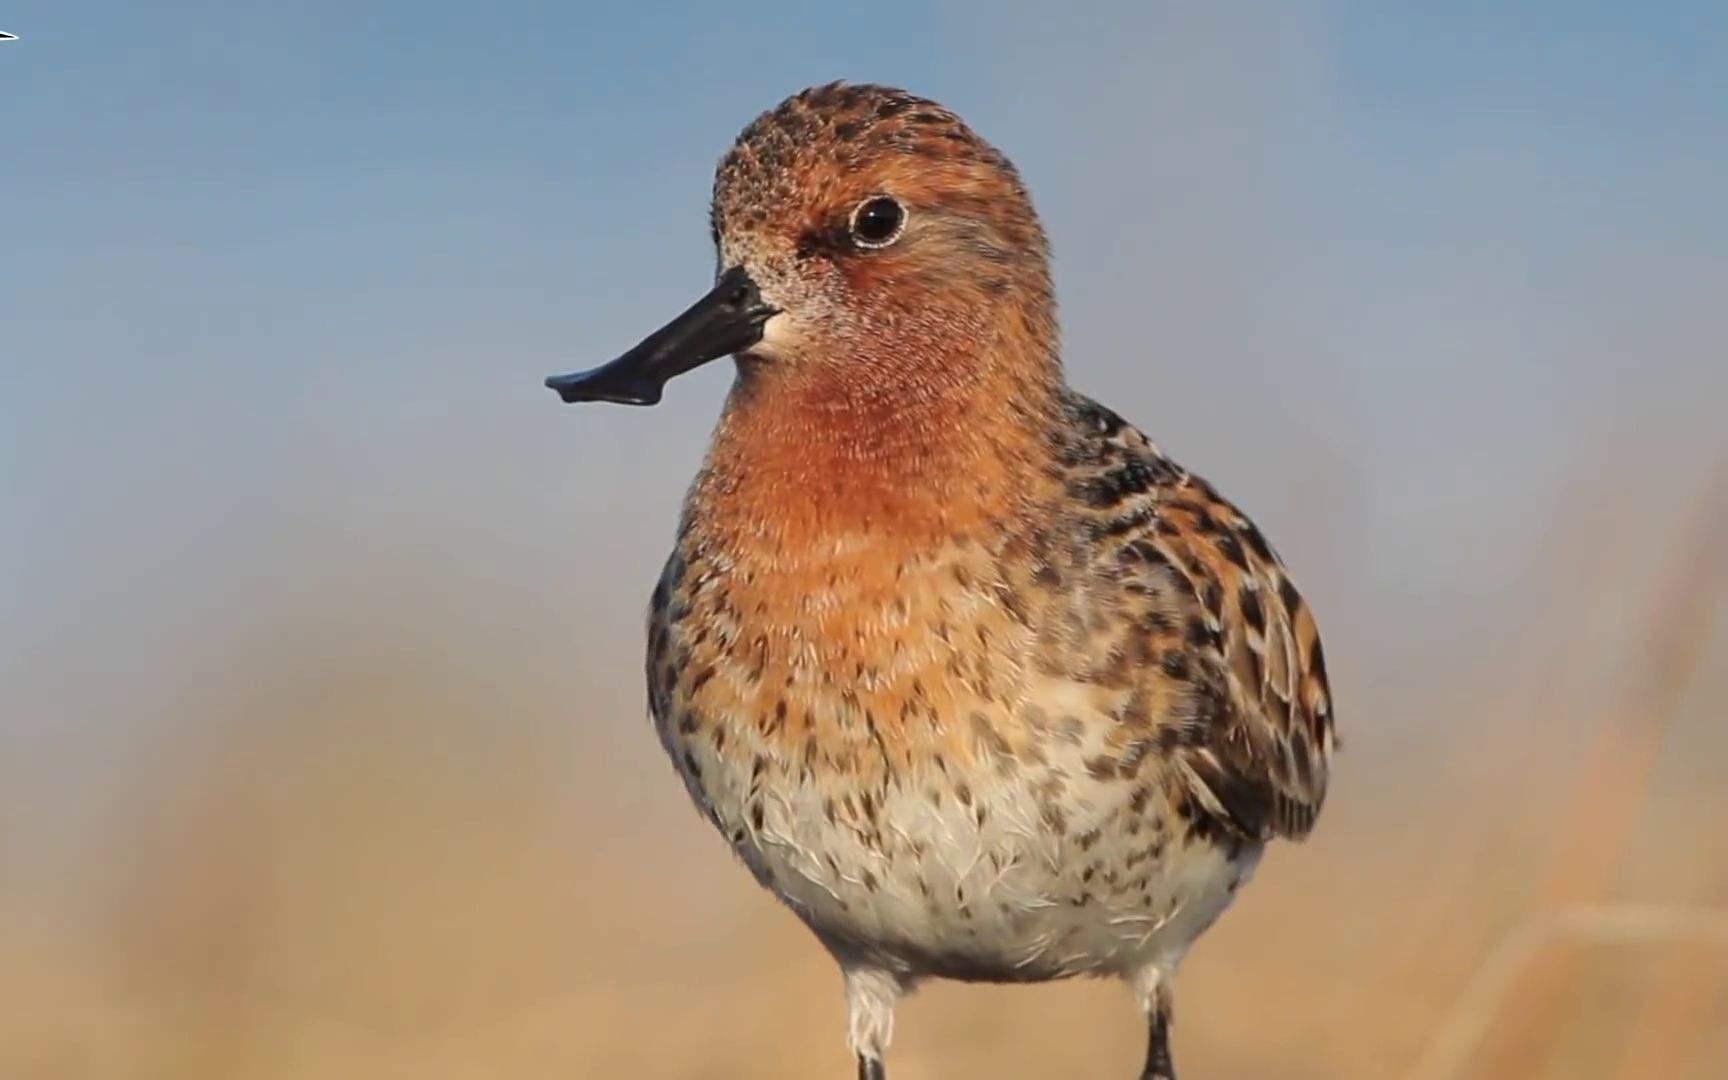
(801, 461)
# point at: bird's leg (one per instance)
(1152, 987)
(870, 997)
(1158, 1065)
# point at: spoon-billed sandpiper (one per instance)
(968, 673)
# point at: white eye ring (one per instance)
(877, 222)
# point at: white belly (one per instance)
(970, 876)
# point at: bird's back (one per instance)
(1206, 617)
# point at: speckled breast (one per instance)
(893, 751)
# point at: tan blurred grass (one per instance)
(348, 862)
(1671, 962)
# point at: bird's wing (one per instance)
(1253, 739)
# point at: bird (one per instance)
(968, 673)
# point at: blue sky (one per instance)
(278, 285)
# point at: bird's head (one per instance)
(869, 243)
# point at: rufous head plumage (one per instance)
(870, 246)
(881, 226)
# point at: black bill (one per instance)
(728, 320)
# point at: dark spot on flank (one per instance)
(1317, 662)
(756, 816)
(1213, 597)
(1102, 420)
(1257, 541)
(1137, 801)
(1135, 519)
(1156, 622)
(1232, 549)
(1199, 634)
(1132, 755)
(1175, 664)
(1288, 594)
(1299, 752)
(1251, 611)
(1108, 489)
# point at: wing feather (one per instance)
(1254, 749)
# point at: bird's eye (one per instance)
(877, 222)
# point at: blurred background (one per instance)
(322, 738)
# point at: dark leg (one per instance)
(871, 1069)
(1158, 1065)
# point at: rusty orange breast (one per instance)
(838, 593)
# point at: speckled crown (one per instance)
(819, 143)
